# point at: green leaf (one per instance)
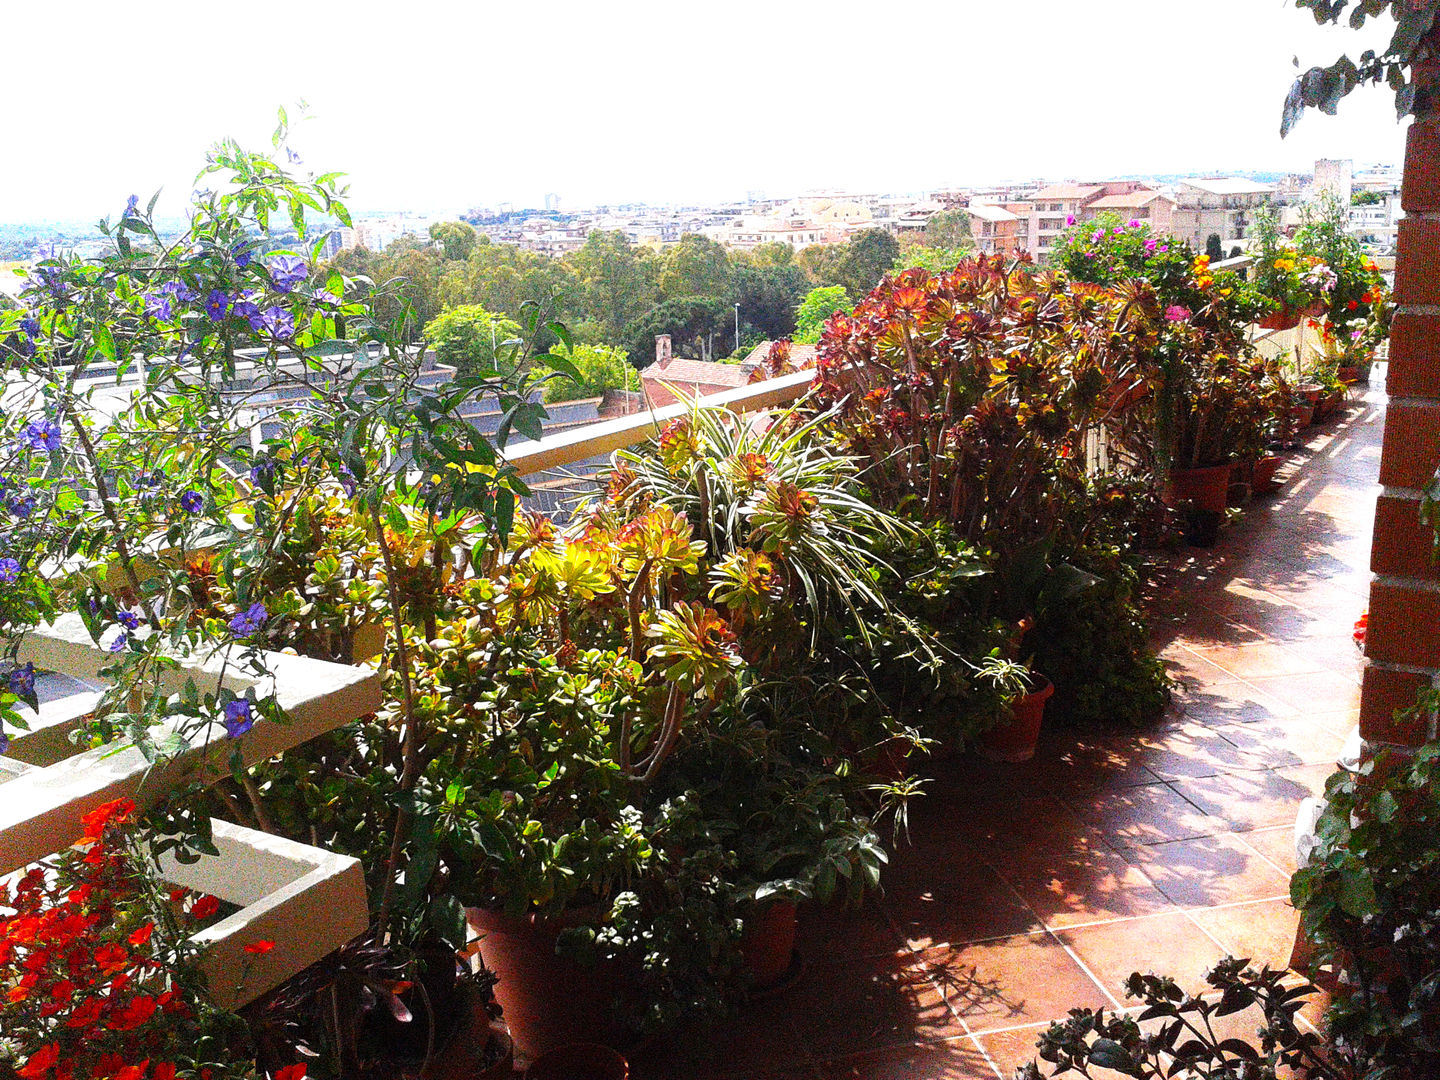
(1109, 1054)
(1357, 893)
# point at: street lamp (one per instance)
(737, 328)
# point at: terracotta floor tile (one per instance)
(1293, 741)
(1312, 777)
(845, 933)
(1263, 931)
(1024, 979)
(763, 1040)
(1326, 691)
(1167, 944)
(1209, 870)
(1190, 669)
(1277, 845)
(1145, 815)
(1094, 763)
(1008, 1050)
(1233, 703)
(1082, 883)
(957, 905)
(1189, 748)
(1246, 801)
(954, 1059)
(1263, 658)
(1007, 826)
(846, 1008)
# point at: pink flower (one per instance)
(1151, 245)
(1164, 247)
(1119, 230)
(1070, 219)
(1133, 223)
(1099, 235)
(1176, 313)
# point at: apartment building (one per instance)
(1224, 206)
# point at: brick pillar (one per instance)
(1402, 643)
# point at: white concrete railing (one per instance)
(307, 900)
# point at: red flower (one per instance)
(292, 1072)
(165, 1070)
(84, 1014)
(117, 811)
(259, 948)
(41, 1060)
(136, 1012)
(142, 936)
(204, 907)
(111, 958)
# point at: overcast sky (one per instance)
(444, 105)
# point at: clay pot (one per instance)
(1015, 739)
(579, 1061)
(1262, 479)
(548, 1001)
(1203, 488)
(767, 945)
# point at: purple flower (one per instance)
(128, 619)
(249, 620)
(216, 304)
(275, 321)
(1176, 313)
(1070, 219)
(287, 271)
(22, 680)
(30, 326)
(239, 717)
(4, 743)
(130, 204)
(262, 473)
(119, 643)
(191, 501)
(347, 480)
(243, 254)
(153, 478)
(41, 435)
(179, 290)
(21, 506)
(157, 306)
(247, 310)
(9, 571)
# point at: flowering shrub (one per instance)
(97, 975)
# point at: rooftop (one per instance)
(1228, 185)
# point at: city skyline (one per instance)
(649, 105)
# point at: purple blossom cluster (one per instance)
(9, 571)
(239, 717)
(41, 435)
(250, 620)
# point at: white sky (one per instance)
(444, 105)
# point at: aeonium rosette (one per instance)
(98, 975)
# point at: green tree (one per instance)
(469, 337)
(617, 283)
(819, 304)
(767, 296)
(456, 238)
(505, 279)
(695, 325)
(1214, 248)
(867, 258)
(821, 263)
(603, 367)
(696, 266)
(948, 229)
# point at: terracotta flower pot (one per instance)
(579, 1061)
(548, 1000)
(1263, 477)
(767, 945)
(1015, 739)
(1204, 488)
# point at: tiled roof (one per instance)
(1063, 192)
(1228, 185)
(1143, 197)
(697, 372)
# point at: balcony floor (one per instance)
(1031, 889)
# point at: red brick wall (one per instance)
(1402, 643)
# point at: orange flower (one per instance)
(117, 811)
(259, 948)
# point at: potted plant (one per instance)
(1023, 693)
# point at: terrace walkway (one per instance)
(1031, 889)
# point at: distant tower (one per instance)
(1334, 175)
(552, 203)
